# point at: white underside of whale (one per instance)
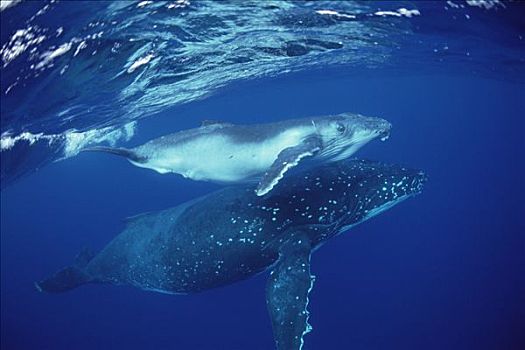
(216, 157)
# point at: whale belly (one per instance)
(220, 158)
(214, 158)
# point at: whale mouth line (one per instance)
(380, 134)
(383, 134)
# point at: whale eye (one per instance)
(341, 128)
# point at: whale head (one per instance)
(338, 195)
(345, 133)
(374, 187)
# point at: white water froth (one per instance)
(80, 47)
(7, 141)
(335, 13)
(453, 5)
(48, 56)
(20, 42)
(178, 4)
(73, 140)
(144, 3)
(4, 4)
(486, 4)
(140, 62)
(401, 12)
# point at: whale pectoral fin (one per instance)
(130, 154)
(287, 294)
(287, 158)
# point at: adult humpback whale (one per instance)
(228, 153)
(232, 234)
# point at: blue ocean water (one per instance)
(443, 270)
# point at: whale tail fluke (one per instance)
(69, 277)
(62, 281)
(123, 152)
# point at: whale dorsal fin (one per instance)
(287, 158)
(287, 291)
(137, 217)
(209, 122)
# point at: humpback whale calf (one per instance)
(232, 234)
(228, 153)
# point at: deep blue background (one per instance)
(444, 270)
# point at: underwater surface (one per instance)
(442, 270)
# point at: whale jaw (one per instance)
(346, 148)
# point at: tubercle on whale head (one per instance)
(343, 123)
(361, 127)
(384, 133)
